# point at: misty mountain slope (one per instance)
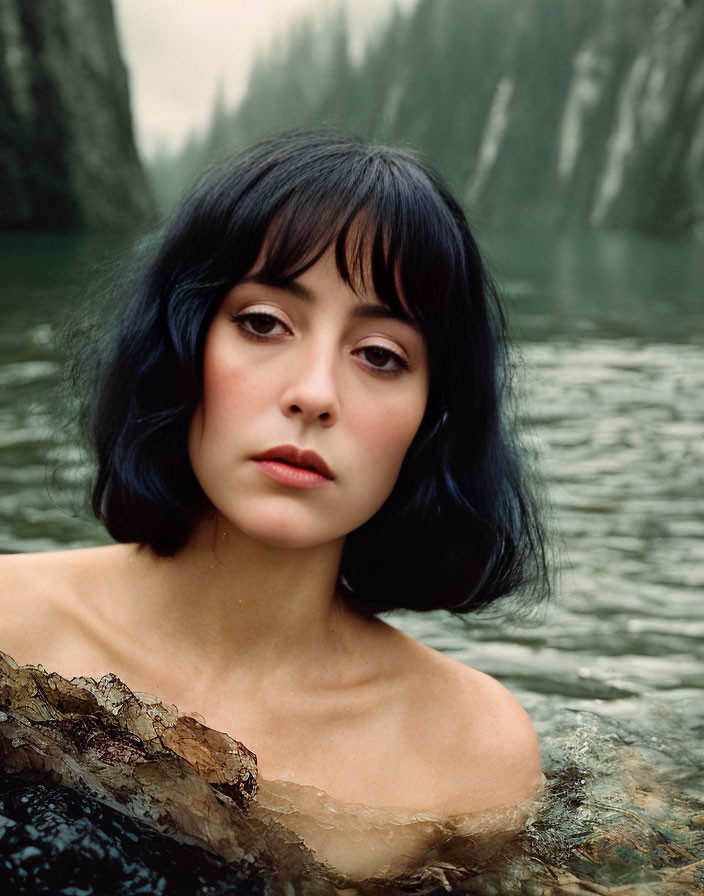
(546, 111)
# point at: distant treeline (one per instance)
(546, 112)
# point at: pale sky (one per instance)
(178, 51)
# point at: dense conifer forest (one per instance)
(553, 112)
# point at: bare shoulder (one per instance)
(484, 745)
(30, 576)
(40, 596)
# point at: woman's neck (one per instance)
(226, 601)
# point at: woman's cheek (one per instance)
(391, 432)
(229, 384)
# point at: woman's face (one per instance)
(315, 367)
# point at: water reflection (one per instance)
(584, 284)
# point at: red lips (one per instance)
(289, 454)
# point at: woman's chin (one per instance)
(287, 537)
(282, 531)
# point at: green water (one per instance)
(611, 336)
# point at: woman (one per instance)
(298, 419)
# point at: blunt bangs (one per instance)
(395, 229)
(461, 527)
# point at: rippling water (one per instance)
(614, 415)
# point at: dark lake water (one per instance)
(610, 333)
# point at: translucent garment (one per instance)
(106, 791)
(172, 773)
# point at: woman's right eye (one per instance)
(257, 325)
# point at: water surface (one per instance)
(611, 337)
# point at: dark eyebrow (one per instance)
(293, 286)
(383, 312)
(367, 310)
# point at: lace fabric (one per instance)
(200, 786)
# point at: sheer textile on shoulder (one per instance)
(179, 777)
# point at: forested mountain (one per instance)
(67, 153)
(545, 111)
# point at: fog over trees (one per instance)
(546, 111)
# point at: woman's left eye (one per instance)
(383, 360)
(257, 325)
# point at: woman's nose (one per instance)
(312, 391)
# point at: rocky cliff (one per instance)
(67, 152)
(591, 113)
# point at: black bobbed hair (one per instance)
(461, 527)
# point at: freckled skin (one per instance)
(310, 384)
